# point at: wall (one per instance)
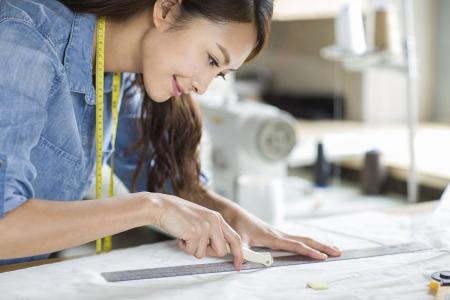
(293, 55)
(442, 104)
(425, 17)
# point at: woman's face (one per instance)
(187, 60)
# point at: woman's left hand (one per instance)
(256, 233)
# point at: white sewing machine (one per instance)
(247, 138)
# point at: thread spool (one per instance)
(373, 175)
(349, 30)
(381, 30)
(386, 29)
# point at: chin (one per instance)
(158, 97)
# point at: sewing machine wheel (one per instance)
(276, 139)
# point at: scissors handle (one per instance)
(264, 258)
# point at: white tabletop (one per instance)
(403, 276)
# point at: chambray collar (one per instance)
(78, 57)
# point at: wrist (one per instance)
(227, 208)
(150, 208)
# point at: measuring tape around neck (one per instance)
(99, 95)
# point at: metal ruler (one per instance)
(281, 261)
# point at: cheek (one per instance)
(157, 92)
(160, 63)
(154, 68)
(190, 63)
(169, 58)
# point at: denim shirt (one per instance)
(47, 107)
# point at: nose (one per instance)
(200, 87)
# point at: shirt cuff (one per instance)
(12, 204)
(7, 204)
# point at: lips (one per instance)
(177, 90)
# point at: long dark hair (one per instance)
(171, 131)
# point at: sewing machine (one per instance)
(247, 138)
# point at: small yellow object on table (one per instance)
(318, 286)
(440, 285)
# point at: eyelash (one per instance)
(215, 63)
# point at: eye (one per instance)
(214, 63)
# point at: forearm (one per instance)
(214, 201)
(43, 226)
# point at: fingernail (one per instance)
(323, 255)
(337, 251)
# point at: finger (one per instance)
(202, 244)
(191, 247)
(330, 250)
(182, 244)
(234, 240)
(210, 251)
(297, 247)
(218, 243)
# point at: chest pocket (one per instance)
(61, 133)
(54, 151)
(58, 156)
(57, 171)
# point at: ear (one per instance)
(165, 12)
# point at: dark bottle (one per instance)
(322, 168)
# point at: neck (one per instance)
(123, 43)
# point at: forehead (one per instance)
(238, 39)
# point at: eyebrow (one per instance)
(225, 53)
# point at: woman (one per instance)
(47, 123)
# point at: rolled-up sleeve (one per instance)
(27, 75)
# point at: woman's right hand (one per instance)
(201, 231)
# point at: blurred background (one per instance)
(346, 109)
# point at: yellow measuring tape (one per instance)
(99, 94)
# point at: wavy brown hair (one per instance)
(171, 131)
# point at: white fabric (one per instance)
(404, 276)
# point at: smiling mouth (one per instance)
(177, 90)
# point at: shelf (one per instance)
(346, 142)
(291, 10)
(360, 62)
